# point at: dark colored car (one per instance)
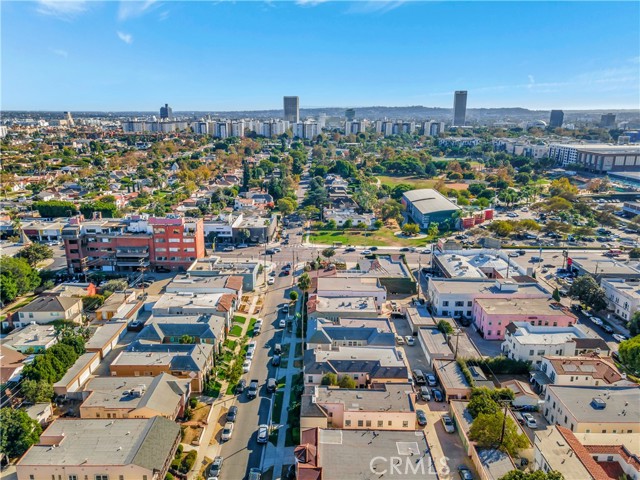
(216, 466)
(437, 395)
(275, 361)
(422, 417)
(431, 380)
(232, 413)
(242, 384)
(607, 328)
(163, 270)
(465, 473)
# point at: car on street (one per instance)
(449, 427)
(252, 391)
(282, 323)
(277, 250)
(514, 254)
(228, 249)
(271, 281)
(285, 308)
(227, 431)
(529, 420)
(465, 473)
(232, 413)
(619, 338)
(349, 249)
(421, 417)
(255, 474)
(431, 379)
(410, 340)
(263, 433)
(277, 349)
(607, 328)
(425, 394)
(419, 377)
(399, 340)
(246, 366)
(242, 384)
(373, 249)
(216, 466)
(275, 360)
(366, 252)
(437, 395)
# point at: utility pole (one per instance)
(455, 353)
(504, 423)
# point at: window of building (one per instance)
(469, 304)
(445, 303)
(459, 304)
(380, 423)
(347, 423)
(159, 240)
(310, 379)
(445, 313)
(389, 423)
(368, 423)
(102, 477)
(360, 423)
(488, 333)
(405, 423)
(604, 431)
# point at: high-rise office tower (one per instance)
(292, 109)
(166, 112)
(350, 113)
(608, 120)
(459, 108)
(556, 119)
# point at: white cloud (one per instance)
(132, 8)
(62, 9)
(163, 15)
(125, 37)
(373, 6)
(60, 52)
(310, 3)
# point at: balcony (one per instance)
(128, 262)
(132, 253)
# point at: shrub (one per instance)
(445, 327)
(193, 402)
(179, 450)
(188, 461)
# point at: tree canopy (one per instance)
(18, 433)
(17, 277)
(486, 430)
(36, 253)
(587, 290)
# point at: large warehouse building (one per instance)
(426, 205)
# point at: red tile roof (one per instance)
(621, 450)
(234, 282)
(596, 471)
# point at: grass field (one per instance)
(239, 319)
(235, 331)
(376, 238)
(413, 181)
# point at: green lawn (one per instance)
(236, 331)
(375, 238)
(252, 322)
(230, 344)
(239, 319)
(277, 407)
(413, 181)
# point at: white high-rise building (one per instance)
(237, 128)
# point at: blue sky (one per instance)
(59, 55)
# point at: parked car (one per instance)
(271, 281)
(232, 413)
(228, 249)
(410, 340)
(529, 420)
(448, 424)
(246, 366)
(619, 338)
(216, 466)
(263, 433)
(419, 377)
(271, 385)
(514, 254)
(607, 328)
(421, 417)
(425, 394)
(465, 473)
(519, 417)
(282, 323)
(366, 252)
(431, 380)
(597, 321)
(437, 395)
(242, 384)
(275, 361)
(399, 340)
(255, 474)
(277, 349)
(227, 431)
(284, 308)
(349, 249)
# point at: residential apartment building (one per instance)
(332, 287)
(599, 158)
(459, 108)
(388, 407)
(605, 409)
(492, 315)
(291, 109)
(530, 343)
(333, 308)
(33, 338)
(623, 296)
(133, 243)
(45, 309)
(588, 370)
(102, 449)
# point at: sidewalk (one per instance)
(279, 455)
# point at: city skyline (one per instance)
(129, 56)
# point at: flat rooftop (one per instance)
(213, 264)
(527, 334)
(395, 397)
(381, 323)
(603, 266)
(387, 356)
(346, 285)
(203, 300)
(104, 334)
(346, 305)
(76, 368)
(450, 374)
(182, 283)
(526, 306)
(556, 451)
(382, 266)
(629, 289)
(436, 342)
(32, 335)
(463, 286)
(621, 402)
(144, 442)
(359, 453)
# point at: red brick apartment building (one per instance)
(132, 243)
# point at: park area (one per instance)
(374, 238)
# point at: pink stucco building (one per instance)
(492, 315)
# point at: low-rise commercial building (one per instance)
(600, 268)
(454, 383)
(492, 315)
(351, 287)
(328, 337)
(426, 206)
(116, 305)
(434, 344)
(604, 409)
(221, 305)
(70, 385)
(126, 449)
(196, 284)
(136, 397)
(213, 267)
(387, 407)
(333, 308)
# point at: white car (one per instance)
(246, 366)
(529, 420)
(277, 250)
(227, 431)
(271, 281)
(251, 347)
(410, 340)
(258, 323)
(619, 338)
(282, 323)
(449, 427)
(597, 321)
(263, 433)
(366, 252)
